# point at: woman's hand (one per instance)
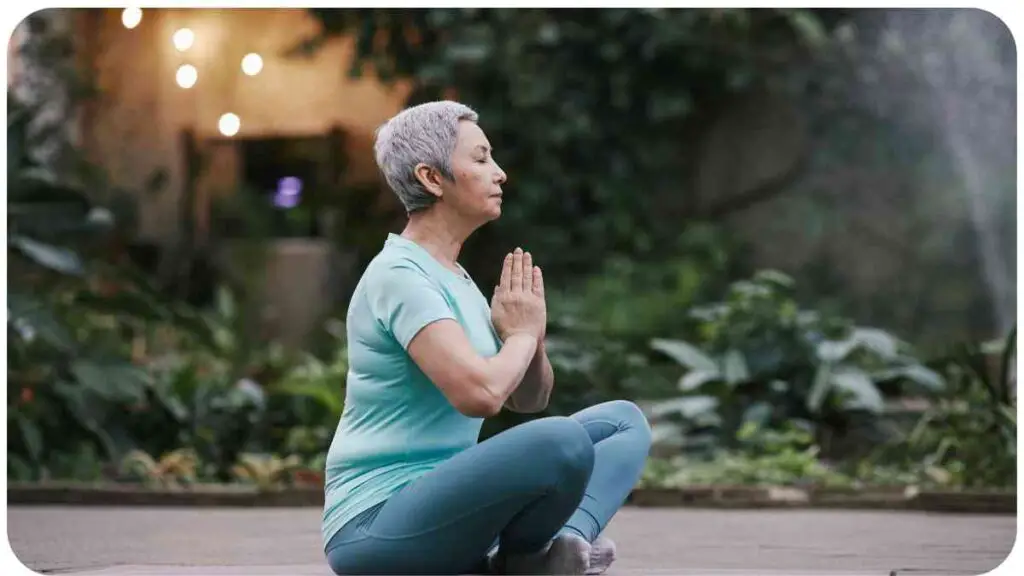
(518, 303)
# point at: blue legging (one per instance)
(518, 489)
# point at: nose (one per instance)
(500, 177)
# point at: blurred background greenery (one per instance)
(788, 234)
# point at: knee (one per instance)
(632, 419)
(567, 444)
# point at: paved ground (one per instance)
(160, 541)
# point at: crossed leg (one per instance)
(521, 488)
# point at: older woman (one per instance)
(409, 488)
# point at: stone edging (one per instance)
(719, 497)
(113, 494)
(885, 498)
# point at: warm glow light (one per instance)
(229, 124)
(186, 76)
(183, 39)
(131, 17)
(252, 64)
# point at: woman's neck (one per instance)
(438, 235)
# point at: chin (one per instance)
(493, 212)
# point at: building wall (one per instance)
(137, 124)
(135, 128)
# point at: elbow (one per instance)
(539, 406)
(478, 405)
(477, 400)
(534, 406)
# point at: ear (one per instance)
(430, 178)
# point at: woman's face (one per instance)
(475, 192)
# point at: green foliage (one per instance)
(195, 404)
(74, 313)
(764, 360)
(764, 457)
(91, 382)
(588, 110)
(599, 329)
(968, 434)
(306, 403)
(104, 368)
(222, 403)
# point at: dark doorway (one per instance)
(287, 181)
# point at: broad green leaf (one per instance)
(18, 469)
(52, 257)
(734, 367)
(31, 435)
(864, 394)
(226, 304)
(995, 346)
(688, 406)
(835, 351)
(87, 411)
(807, 25)
(820, 388)
(667, 434)
(924, 376)
(878, 341)
(39, 185)
(916, 373)
(1008, 365)
(25, 311)
(708, 419)
(685, 354)
(125, 303)
(116, 382)
(173, 404)
(774, 277)
(100, 217)
(697, 378)
(757, 414)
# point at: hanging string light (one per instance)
(131, 17)
(229, 124)
(252, 63)
(183, 39)
(186, 76)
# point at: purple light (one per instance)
(289, 192)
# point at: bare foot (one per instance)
(602, 554)
(567, 554)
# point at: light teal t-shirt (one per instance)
(397, 425)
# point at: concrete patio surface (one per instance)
(286, 541)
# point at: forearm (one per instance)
(534, 392)
(505, 370)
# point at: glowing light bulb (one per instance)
(252, 64)
(183, 39)
(131, 17)
(229, 124)
(186, 76)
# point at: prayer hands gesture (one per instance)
(518, 304)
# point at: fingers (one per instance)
(506, 274)
(517, 270)
(527, 273)
(538, 282)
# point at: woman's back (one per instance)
(396, 424)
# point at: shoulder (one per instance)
(395, 268)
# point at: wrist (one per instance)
(521, 334)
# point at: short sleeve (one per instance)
(405, 300)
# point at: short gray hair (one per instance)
(425, 133)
